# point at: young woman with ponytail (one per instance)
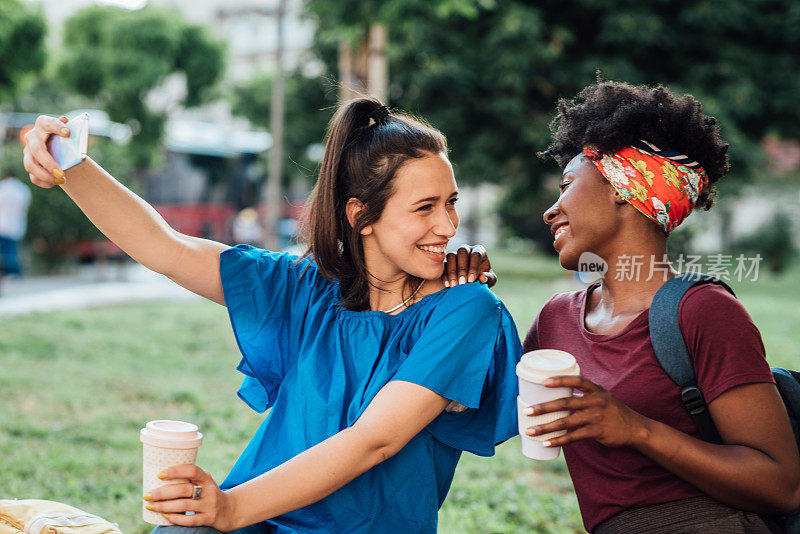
(377, 376)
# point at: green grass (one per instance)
(772, 301)
(76, 387)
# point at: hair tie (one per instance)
(380, 114)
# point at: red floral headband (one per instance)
(661, 184)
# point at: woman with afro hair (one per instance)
(636, 161)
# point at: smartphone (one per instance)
(69, 151)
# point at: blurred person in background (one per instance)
(376, 374)
(15, 198)
(247, 227)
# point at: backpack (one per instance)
(670, 349)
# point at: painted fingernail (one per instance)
(453, 283)
(462, 280)
(530, 432)
(546, 444)
(165, 516)
(147, 497)
(446, 283)
(528, 410)
(58, 173)
(60, 181)
(65, 132)
(162, 475)
(471, 278)
(150, 507)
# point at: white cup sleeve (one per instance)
(526, 421)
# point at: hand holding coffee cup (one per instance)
(165, 444)
(196, 493)
(533, 369)
(596, 414)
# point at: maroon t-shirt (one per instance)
(726, 350)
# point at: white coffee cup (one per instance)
(165, 443)
(532, 370)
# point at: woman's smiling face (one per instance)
(418, 220)
(585, 217)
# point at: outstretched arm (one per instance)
(381, 432)
(126, 219)
(138, 229)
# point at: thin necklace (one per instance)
(411, 296)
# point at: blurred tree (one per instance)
(309, 105)
(118, 57)
(22, 33)
(45, 95)
(489, 73)
(773, 241)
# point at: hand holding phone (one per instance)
(69, 151)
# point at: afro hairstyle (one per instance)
(611, 115)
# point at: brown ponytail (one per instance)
(366, 145)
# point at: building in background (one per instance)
(248, 27)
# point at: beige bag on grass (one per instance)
(33, 516)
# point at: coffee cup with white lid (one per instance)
(165, 443)
(532, 370)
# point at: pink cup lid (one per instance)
(171, 434)
(539, 365)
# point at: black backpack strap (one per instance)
(788, 383)
(670, 347)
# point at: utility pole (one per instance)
(349, 84)
(364, 70)
(271, 193)
(377, 67)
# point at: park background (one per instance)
(215, 112)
